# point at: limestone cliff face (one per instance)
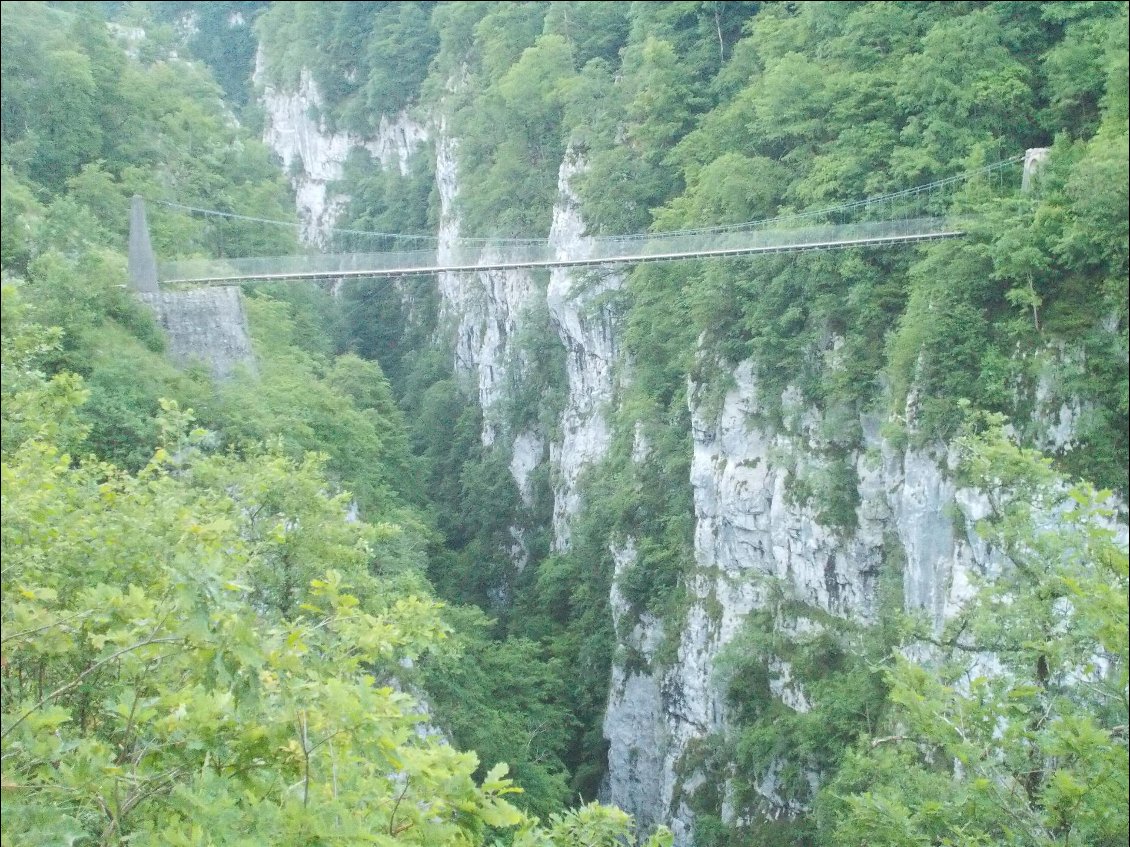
(481, 313)
(480, 317)
(753, 534)
(753, 530)
(587, 329)
(314, 156)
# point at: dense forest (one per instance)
(314, 603)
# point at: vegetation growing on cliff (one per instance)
(1016, 733)
(683, 114)
(201, 639)
(694, 114)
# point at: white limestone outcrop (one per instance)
(586, 325)
(481, 311)
(752, 532)
(315, 157)
(634, 720)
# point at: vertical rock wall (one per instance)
(481, 312)
(587, 329)
(752, 529)
(752, 534)
(315, 157)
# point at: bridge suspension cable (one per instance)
(754, 224)
(912, 214)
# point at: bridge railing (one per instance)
(753, 240)
(466, 256)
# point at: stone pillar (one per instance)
(142, 261)
(1033, 159)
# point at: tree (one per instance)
(163, 684)
(1016, 733)
(151, 672)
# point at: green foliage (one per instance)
(215, 639)
(340, 406)
(958, 335)
(563, 604)
(594, 30)
(837, 495)
(220, 35)
(390, 322)
(510, 140)
(473, 496)
(653, 505)
(825, 116)
(830, 666)
(1013, 734)
(507, 701)
(272, 519)
(86, 126)
(111, 339)
(386, 200)
(145, 682)
(536, 396)
(592, 825)
(367, 59)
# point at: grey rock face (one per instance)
(315, 157)
(752, 533)
(206, 325)
(480, 312)
(587, 329)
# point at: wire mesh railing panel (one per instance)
(470, 256)
(907, 215)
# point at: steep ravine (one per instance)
(751, 533)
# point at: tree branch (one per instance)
(74, 683)
(889, 739)
(25, 633)
(392, 830)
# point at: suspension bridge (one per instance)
(908, 216)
